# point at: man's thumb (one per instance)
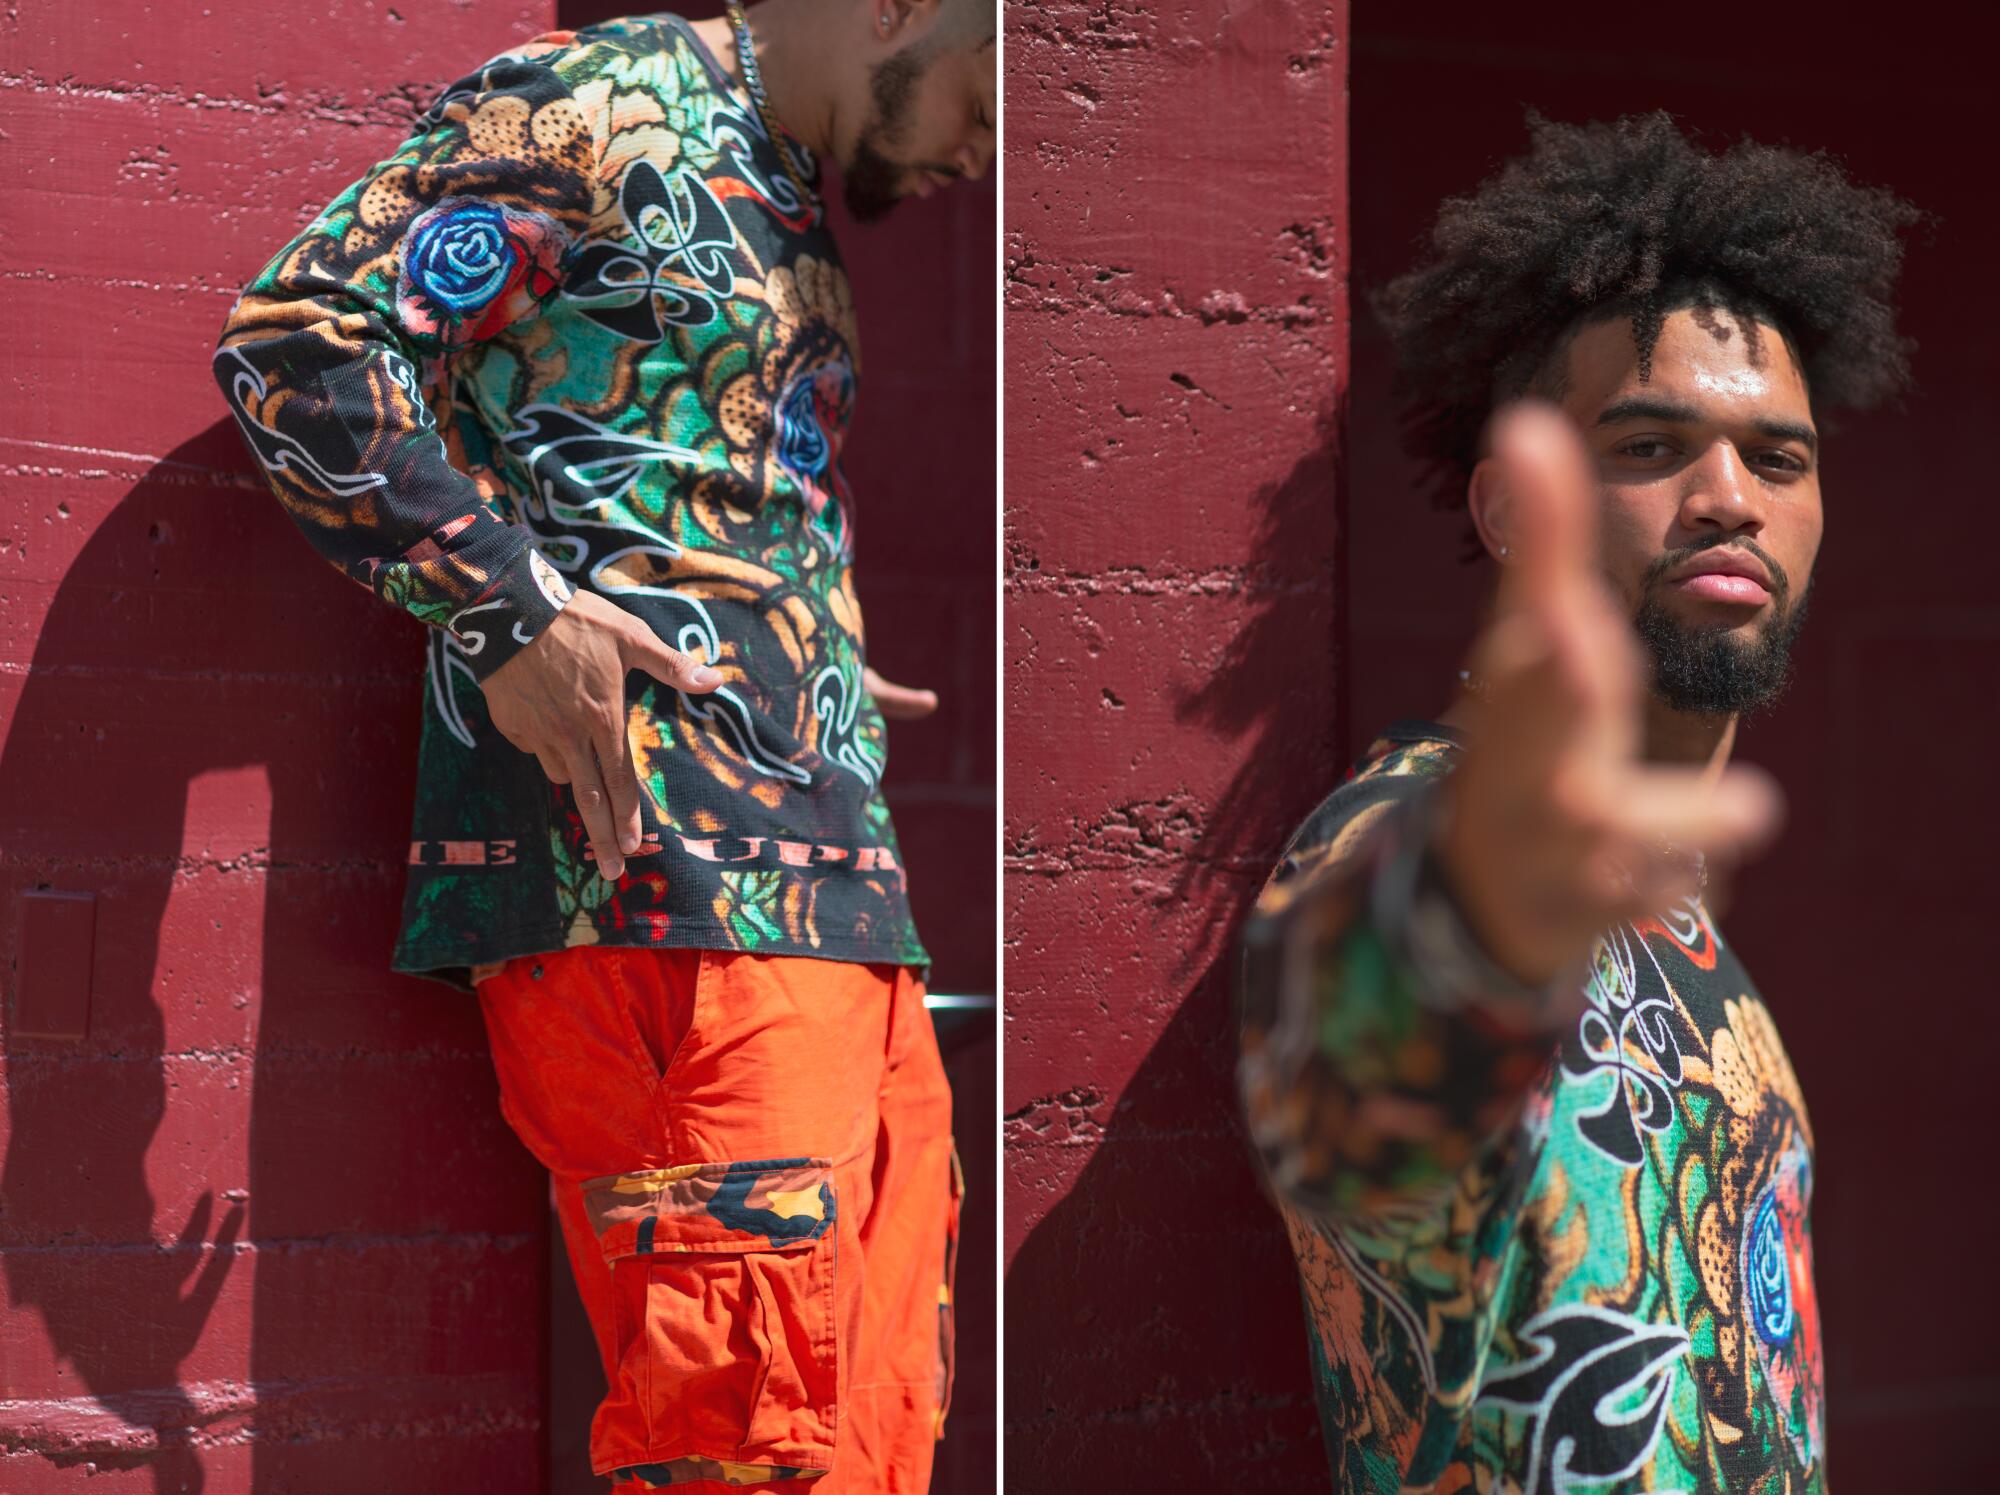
(671, 666)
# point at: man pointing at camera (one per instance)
(1545, 1167)
(567, 378)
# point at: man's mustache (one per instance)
(1780, 582)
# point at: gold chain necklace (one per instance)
(753, 84)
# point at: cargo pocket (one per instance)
(947, 1295)
(723, 1281)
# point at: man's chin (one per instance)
(1702, 662)
(870, 209)
(870, 195)
(1742, 626)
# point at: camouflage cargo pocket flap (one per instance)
(772, 1205)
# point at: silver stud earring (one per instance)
(1505, 552)
(883, 22)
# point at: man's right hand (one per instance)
(562, 698)
(1554, 824)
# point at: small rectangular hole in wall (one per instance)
(57, 933)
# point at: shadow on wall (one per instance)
(1153, 1325)
(1278, 692)
(249, 1065)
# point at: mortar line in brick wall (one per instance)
(1229, 1405)
(1218, 308)
(220, 1387)
(121, 282)
(1163, 580)
(80, 451)
(155, 470)
(380, 679)
(125, 1424)
(255, 858)
(406, 106)
(219, 480)
(123, 1442)
(183, 869)
(69, 1055)
(1031, 1130)
(1119, 835)
(1030, 30)
(348, 1244)
(1053, 863)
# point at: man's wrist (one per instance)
(524, 599)
(1414, 901)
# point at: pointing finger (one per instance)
(1729, 816)
(1554, 495)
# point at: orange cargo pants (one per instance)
(754, 1171)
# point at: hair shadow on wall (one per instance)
(1153, 1320)
(1277, 693)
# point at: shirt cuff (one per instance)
(524, 599)
(1412, 903)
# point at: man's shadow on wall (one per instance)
(196, 636)
(1153, 1321)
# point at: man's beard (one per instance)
(871, 181)
(1708, 671)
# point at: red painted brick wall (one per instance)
(1867, 926)
(263, 1229)
(1176, 241)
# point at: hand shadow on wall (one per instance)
(1153, 1320)
(190, 637)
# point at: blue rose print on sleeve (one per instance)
(470, 268)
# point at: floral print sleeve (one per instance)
(1381, 1050)
(328, 355)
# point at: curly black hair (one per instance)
(1634, 219)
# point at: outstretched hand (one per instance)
(562, 698)
(1555, 827)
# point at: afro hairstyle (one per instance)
(1634, 219)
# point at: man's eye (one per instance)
(1781, 462)
(1645, 448)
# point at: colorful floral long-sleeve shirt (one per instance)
(579, 332)
(1548, 1241)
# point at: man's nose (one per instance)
(972, 162)
(1722, 493)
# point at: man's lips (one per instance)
(1724, 576)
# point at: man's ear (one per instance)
(894, 17)
(1491, 508)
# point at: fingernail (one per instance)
(703, 675)
(628, 843)
(612, 870)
